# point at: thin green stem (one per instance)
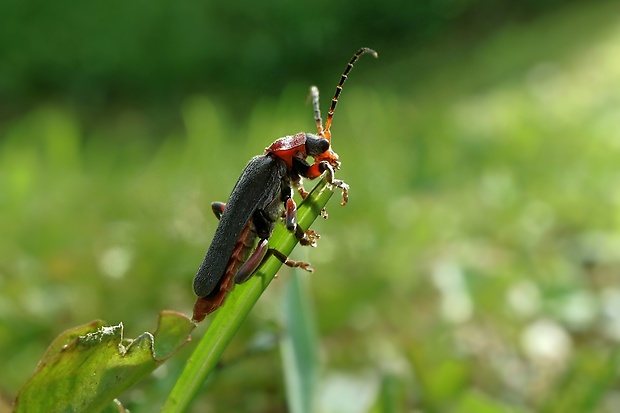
(228, 319)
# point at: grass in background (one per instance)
(474, 267)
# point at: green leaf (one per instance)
(240, 301)
(86, 367)
(299, 347)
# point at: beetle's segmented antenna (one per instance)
(343, 79)
(314, 92)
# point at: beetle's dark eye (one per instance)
(315, 145)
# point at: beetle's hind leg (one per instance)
(290, 263)
(260, 254)
(253, 262)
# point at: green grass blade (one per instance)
(390, 395)
(299, 347)
(228, 319)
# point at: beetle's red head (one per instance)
(318, 146)
(330, 157)
(320, 149)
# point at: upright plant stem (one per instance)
(228, 319)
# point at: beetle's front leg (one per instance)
(315, 170)
(300, 188)
(330, 177)
(312, 172)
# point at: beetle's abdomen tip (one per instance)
(202, 308)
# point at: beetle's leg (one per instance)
(308, 237)
(255, 259)
(259, 255)
(300, 188)
(315, 170)
(302, 191)
(297, 182)
(304, 194)
(311, 172)
(218, 209)
(290, 214)
(326, 167)
(290, 263)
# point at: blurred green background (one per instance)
(475, 267)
